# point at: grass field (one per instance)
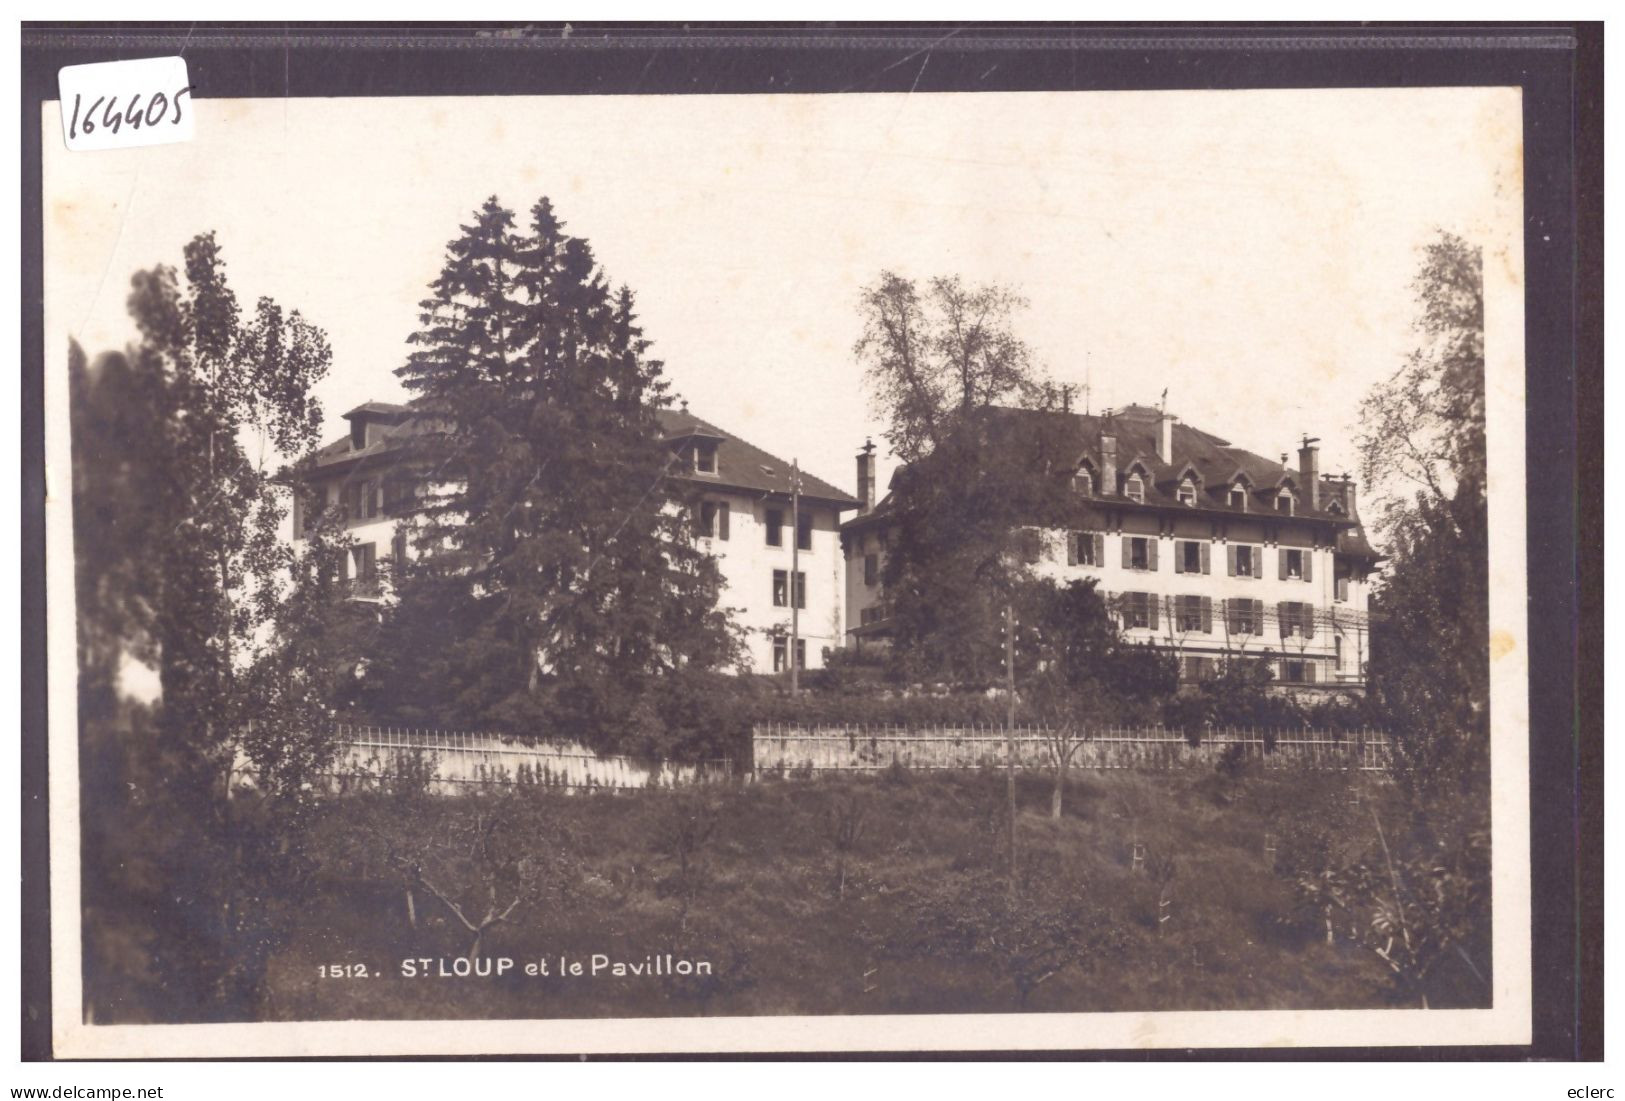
(748, 880)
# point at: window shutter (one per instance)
(1207, 558)
(298, 513)
(1100, 549)
(1072, 538)
(1230, 552)
(1308, 621)
(1309, 565)
(722, 520)
(1179, 558)
(1309, 672)
(1151, 556)
(1127, 557)
(1280, 560)
(1207, 614)
(1151, 607)
(1287, 614)
(1232, 620)
(1258, 617)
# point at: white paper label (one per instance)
(120, 104)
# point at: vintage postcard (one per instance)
(1029, 570)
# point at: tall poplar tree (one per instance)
(557, 572)
(178, 500)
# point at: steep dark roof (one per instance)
(1215, 461)
(386, 438)
(743, 465)
(380, 410)
(740, 464)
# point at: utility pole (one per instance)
(796, 588)
(1010, 729)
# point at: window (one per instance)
(1198, 667)
(1187, 493)
(781, 581)
(1244, 560)
(1139, 553)
(1337, 652)
(781, 649)
(1134, 488)
(1297, 619)
(1291, 616)
(775, 527)
(1083, 482)
(804, 528)
(871, 568)
(712, 520)
(1030, 546)
(1193, 557)
(1193, 614)
(1139, 611)
(366, 561)
(705, 458)
(1245, 615)
(1285, 502)
(1292, 564)
(1298, 672)
(1238, 497)
(1342, 590)
(1085, 548)
(398, 548)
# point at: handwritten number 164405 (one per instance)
(157, 110)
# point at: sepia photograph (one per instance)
(790, 572)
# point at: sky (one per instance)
(1249, 252)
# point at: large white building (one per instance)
(1200, 547)
(743, 518)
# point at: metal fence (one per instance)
(449, 760)
(791, 750)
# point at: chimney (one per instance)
(1309, 472)
(1108, 464)
(1165, 437)
(866, 478)
(1348, 498)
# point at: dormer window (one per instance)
(1285, 502)
(1187, 493)
(705, 458)
(1335, 509)
(1134, 488)
(1238, 496)
(358, 433)
(1083, 482)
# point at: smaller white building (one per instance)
(773, 543)
(743, 518)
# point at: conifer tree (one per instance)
(556, 565)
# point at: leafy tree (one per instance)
(179, 564)
(949, 375)
(1422, 446)
(1079, 673)
(556, 556)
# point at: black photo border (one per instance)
(1558, 66)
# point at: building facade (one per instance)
(1200, 548)
(774, 531)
